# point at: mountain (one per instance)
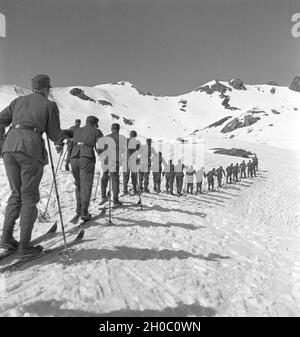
(266, 113)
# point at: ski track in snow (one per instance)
(233, 252)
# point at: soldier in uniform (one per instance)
(83, 162)
(157, 171)
(24, 155)
(179, 175)
(250, 169)
(243, 169)
(146, 153)
(116, 150)
(130, 166)
(190, 172)
(70, 144)
(229, 172)
(235, 172)
(199, 179)
(255, 162)
(219, 173)
(169, 173)
(210, 179)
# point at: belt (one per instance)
(84, 144)
(27, 127)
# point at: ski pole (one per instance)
(57, 197)
(44, 216)
(66, 151)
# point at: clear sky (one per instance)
(164, 46)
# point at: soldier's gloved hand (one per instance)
(59, 147)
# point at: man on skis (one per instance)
(243, 169)
(235, 172)
(146, 153)
(199, 179)
(70, 143)
(255, 163)
(250, 169)
(113, 156)
(190, 172)
(157, 171)
(169, 173)
(83, 162)
(229, 172)
(130, 165)
(219, 173)
(210, 179)
(24, 156)
(179, 175)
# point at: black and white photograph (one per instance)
(149, 161)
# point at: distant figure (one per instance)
(190, 172)
(243, 169)
(255, 162)
(157, 171)
(70, 144)
(170, 175)
(210, 179)
(219, 172)
(229, 174)
(250, 169)
(235, 172)
(179, 177)
(199, 179)
(146, 153)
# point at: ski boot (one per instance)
(30, 251)
(12, 244)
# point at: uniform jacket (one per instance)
(229, 169)
(199, 176)
(190, 175)
(32, 110)
(219, 171)
(87, 135)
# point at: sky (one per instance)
(167, 47)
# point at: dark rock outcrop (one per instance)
(249, 120)
(232, 125)
(233, 152)
(103, 102)
(128, 121)
(219, 122)
(115, 116)
(80, 94)
(237, 84)
(295, 85)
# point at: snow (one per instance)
(233, 252)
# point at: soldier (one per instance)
(243, 169)
(255, 162)
(130, 166)
(83, 162)
(116, 150)
(199, 179)
(170, 175)
(146, 152)
(190, 172)
(157, 171)
(179, 175)
(70, 143)
(210, 179)
(219, 172)
(235, 172)
(250, 169)
(229, 174)
(25, 156)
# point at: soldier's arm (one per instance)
(53, 130)
(6, 118)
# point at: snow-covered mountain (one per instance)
(267, 114)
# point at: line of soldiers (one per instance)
(24, 155)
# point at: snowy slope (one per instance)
(178, 116)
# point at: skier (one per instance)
(112, 162)
(210, 179)
(24, 156)
(179, 176)
(243, 169)
(219, 172)
(199, 179)
(70, 144)
(157, 171)
(229, 174)
(146, 153)
(250, 169)
(235, 172)
(255, 162)
(170, 175)
(190, 172)
(83, 162)
(130, 167)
